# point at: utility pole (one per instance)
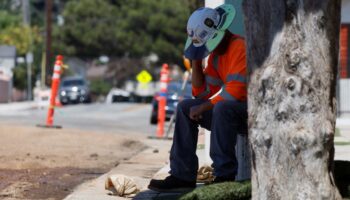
(26, 12)
(29, 55)
(48, 11)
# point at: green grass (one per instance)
(337, 132)
(200, 146)
(221, 191)
(342, 143)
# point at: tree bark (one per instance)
(292, 52)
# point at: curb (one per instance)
(141, 167)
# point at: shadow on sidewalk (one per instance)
(153, 195)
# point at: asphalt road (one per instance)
(121, 118)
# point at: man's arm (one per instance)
(198, 78)
(197, 73)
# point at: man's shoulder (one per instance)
(237, 40)
(238, 37)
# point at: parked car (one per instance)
(117, 95)
(74, 90)
(173, 96)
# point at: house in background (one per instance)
(76, 66)
(7, 63)
(344, 40)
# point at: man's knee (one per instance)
(232, 112)
(185, 105)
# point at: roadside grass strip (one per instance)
(337, 132)
(342, 143)
(221, 191)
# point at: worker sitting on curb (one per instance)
(220, 104)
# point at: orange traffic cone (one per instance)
(54, 90)
(164, 79)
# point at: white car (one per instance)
(117, 95)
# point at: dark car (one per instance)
(173, 96)
(74, 90)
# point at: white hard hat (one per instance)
(206, 28)
(202, 25)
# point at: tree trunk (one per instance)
(292, 59)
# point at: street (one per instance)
(122, 118)
(44, 163)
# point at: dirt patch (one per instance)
(53, 183)
(37, 163)
(130, 144)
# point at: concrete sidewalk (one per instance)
(17, 106)
(140, 167)
(148, 164)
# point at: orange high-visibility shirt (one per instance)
(225, 75)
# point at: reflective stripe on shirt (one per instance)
(236, 77)
(227, 96)
(213, 81)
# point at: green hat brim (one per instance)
(212, 43)
(230, 13)
(228, 16)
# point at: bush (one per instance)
(99, 87)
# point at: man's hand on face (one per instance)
(197, 111)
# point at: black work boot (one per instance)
(171, 184)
